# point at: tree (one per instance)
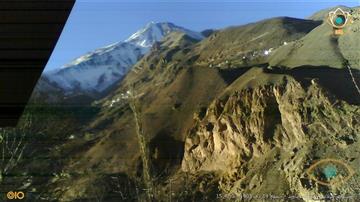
(12, 145)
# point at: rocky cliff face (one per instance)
(257, 138)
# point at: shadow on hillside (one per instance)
(166, 152)
(337, 81)
(230, 75)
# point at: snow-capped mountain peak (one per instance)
(99, 69)
(153, 32)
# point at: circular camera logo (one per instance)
(339, 20)
(15, 195)
(10, 195)
(330, 172)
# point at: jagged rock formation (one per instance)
(270, 125)
(258, 138)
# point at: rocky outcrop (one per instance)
(270, 134)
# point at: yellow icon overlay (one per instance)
(11, 195)
(338, 19)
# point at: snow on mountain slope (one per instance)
(153, 32)
(98, 70)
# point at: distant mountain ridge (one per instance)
(322, 14)
(98, 70)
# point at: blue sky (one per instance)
(96, 23)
